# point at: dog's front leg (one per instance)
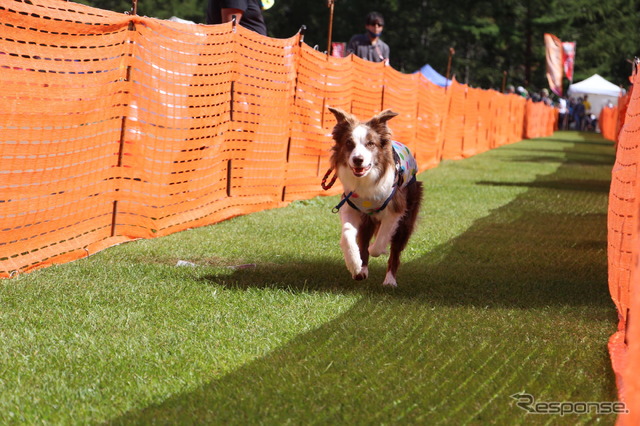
(388, 227)
(349, 243)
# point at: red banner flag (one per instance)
(554, 62)
(569, 50)
(338, 49)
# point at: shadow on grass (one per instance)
(598, 161)
(517, 302)
(601, 186)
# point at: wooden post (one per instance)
(451, 53)
(330, 4)
(504, 80)
(303, 29)
(123, 125)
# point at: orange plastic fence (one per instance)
(624, 246)
(117, 127)
(608, 122)
(612, 119)
(539, 120)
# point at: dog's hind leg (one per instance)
(398, 243)
(385, 233)
(402, 234)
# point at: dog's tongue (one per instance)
(359, 171)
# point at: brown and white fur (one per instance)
(363, 159)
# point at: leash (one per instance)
(326, 185)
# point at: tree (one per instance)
(489, 36)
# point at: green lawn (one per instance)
(503, 289)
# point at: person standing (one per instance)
(248, 13)
(369, 46)
(544, 97)
(587, 105)
(579, 115)
(563, 114)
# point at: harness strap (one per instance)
(398, 182)
(345, 199)
(379, 209)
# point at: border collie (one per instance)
(381, 193)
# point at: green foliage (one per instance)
(489, 37)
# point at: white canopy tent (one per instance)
(600, 92)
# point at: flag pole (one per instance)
(330, 4)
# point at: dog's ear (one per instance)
(382, 117)
(339, 114)
(379, 124)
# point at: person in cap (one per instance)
(369, 46)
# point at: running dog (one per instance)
(381, 193)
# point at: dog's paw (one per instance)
(355, 267)
(390, 280)
(363, 275)
(376, 251)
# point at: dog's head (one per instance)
(362, 146)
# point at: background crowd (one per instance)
(574, 113)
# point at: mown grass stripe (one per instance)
(504, 388)
(461, 386)
(516, 366)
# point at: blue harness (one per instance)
(405, 174)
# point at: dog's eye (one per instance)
(371, 144)
(350, 144)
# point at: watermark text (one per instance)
(529, 404)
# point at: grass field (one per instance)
(503, 289)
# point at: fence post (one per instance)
(123, 122)
(231, 108)
(295, 98)
(416, 121)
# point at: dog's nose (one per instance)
(357, 161)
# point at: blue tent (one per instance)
(433, 76)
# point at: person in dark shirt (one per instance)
(248, 13)
(368, 45)
(578, 115)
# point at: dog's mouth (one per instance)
(360, 171)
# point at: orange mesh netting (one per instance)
(612, 119)
(624, 245)
(117, 127)
(608, 122)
